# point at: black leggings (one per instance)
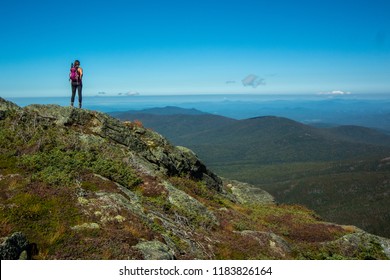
(79, 91)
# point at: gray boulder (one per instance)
(248, 194)
(362, 245)
(13, 246)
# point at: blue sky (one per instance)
(187, 47)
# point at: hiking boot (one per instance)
(71, 104)
(80, 105)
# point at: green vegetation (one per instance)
(58, 167)
(58, 157)
(200, 192)
(44, 218)
(347, 192)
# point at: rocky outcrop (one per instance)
(362, 245)
(248, 194)
(199, 170)
(192, 208)
(146, 144)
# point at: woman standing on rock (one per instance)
(76, 79)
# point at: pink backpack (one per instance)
(74, 74)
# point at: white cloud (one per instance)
(129, 93)
(253, 80)
(335, 92)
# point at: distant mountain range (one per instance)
(175, 123)
(168, 110)
(333, 111)
(262, 140)
(316, 166)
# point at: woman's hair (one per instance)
(76, 62)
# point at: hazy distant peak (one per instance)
(167, 110)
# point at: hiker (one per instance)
(76, 80)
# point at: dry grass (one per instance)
(133, 124)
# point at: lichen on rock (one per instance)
(155, 250)
(13, 246)
(248, 194)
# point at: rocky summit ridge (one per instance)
(79, 184)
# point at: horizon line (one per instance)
(319, 94)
